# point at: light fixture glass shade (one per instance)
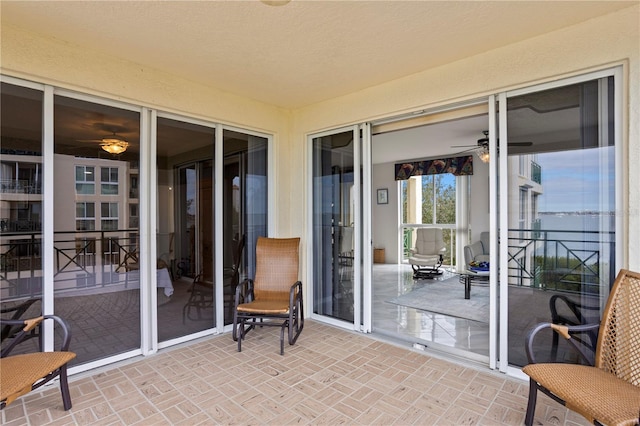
(483, 154)
(114, 146)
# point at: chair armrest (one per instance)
(294, 293)
(472, 250)
(30, 324)
(564, 331)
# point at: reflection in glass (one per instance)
(20, 206)
(561, 217)
(96, 250)
(245, 195)
(333, 220)
(185, 231)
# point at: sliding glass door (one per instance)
(558, 243)
(337, 219)
(185, 231)
(245, 192)
(97, 263)
(21, 202)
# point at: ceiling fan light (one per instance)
(114, 146)
(483, 154)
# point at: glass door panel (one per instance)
(185, 228)
(244, 210)
(334, 214)
(20, 207)
(561, 204)
(96, 241)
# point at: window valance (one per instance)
(458, 166)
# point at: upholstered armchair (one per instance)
(478, 251)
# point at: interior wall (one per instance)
(479, 199)
(385, 218)
(605, 41)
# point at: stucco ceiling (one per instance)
(300, 53)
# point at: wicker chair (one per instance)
(609, 391)
(274, 297)
(20, 374)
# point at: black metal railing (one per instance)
(77, 255)
(19, 186)
(562, 260)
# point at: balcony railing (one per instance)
(18, 186)
(79, 257)
(570, 261)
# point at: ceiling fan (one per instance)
(113, 144)
(482, 146)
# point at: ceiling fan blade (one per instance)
(519, 143)
(464, 146)
(466, 150)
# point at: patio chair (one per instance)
(202, 292)
(607, 392)
(274, 297)
(20, 374)
(16, 312)
(427, 255)
(566, 311)
(200, 299)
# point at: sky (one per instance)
(573, 180)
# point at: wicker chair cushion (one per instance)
(266, 307)
(590, 391)
(19, 372)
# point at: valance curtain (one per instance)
(458, 166)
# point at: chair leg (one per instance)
(240, 335)
(531, 405)
(285, 325)
(64, 388)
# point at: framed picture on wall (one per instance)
(383, 196)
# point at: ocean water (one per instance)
(588, 236)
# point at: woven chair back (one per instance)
(618, 350)
(276, 267)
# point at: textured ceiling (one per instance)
(300, 53)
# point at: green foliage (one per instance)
(567, 274)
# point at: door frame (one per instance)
(361, 287)
(502, 217)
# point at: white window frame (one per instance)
(85, 173)
(86, 218)
(109, 182)
(110, 205)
